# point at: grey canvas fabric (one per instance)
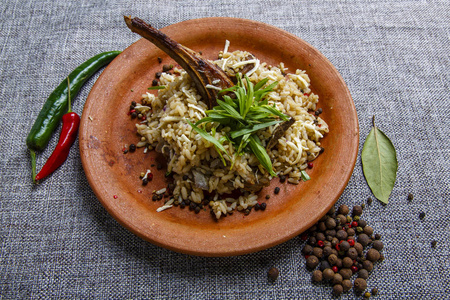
(56, 239)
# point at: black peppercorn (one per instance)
(307, 249)
(132, 148)
(154, 82)
(377, 236)
(144, 181)
(324, 265)
(433, 243)
(344, 246)
(277, 190)
(421, 215)
(363, 273)
(273, 273)
(282, 178)
(263, 206)
(158, 74)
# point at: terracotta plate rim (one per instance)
(135, 216)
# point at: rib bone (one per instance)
(202, 71)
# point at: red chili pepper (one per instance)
(71, 122)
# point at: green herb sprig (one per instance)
(247, 113)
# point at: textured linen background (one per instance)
(57, 241)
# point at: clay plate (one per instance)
(114, 176)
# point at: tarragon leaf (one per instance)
(379, 160)
(261, 153)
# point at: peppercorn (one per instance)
(433, 244)
(377, 236)
(166, 68)
(335, 269)
(366, 295)
(317, 276)
(363, 206)
(337, 278)
(337, 289)
(374, 291)
(318, 252)
(307, 249)
(347, 262)
(363, 273)
(367, 265)
(421, 215)
(373, 255)
(132, 148)
(347, 285)
(321, 226)
(360, 285)
(369, 200)
(330, 233)
(282, 178)
(312, 261)
(327, 251)
(359, 248)
(320, 236)
(144, 181)
(332, 211)
(364, 239)
(350, 232)
(263, 206)
(344, 246)
(362, 223)
(342, 219)
(273, 273)
(328, 274)
(378, 245)
(330, 223)
(410, 196)
(334, 242)
(352, 253)
(332, 259)
(341, 234)
(277, 190)
(357, 210)
(368, 230)
(324, 264)
(343, 209)
(346, 273)
(257, 206)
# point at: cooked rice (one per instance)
(189, 154)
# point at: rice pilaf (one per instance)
(194, 162)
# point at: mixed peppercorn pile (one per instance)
(341, 246)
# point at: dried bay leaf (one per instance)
(379, 160)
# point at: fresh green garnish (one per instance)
(158, 87)
(247, 113)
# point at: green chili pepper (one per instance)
(57, 103)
